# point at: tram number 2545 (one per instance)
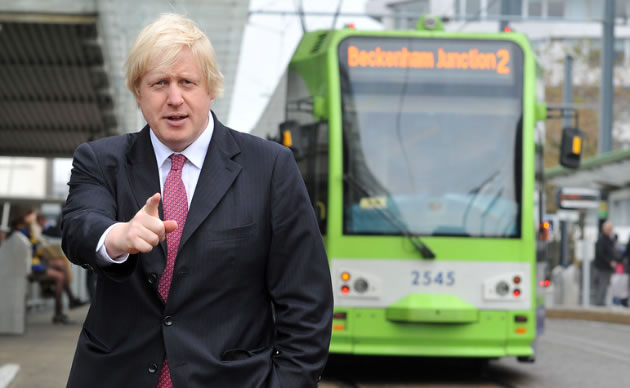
(429, 278)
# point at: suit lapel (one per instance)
(144, 177)
(217, 175)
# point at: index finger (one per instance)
(151, 207)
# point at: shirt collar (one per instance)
(195, 153)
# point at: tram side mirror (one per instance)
(571, 148)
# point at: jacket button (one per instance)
(152, 278)
(153, 368)
(168, 320)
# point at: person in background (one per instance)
(54, 231)
(42, 221)
(619, 286)
(45, 268)
(605, 262)
(3, 234)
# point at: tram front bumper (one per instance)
(432, 308)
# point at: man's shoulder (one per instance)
(114, 143)
(110, 147)
(248, 142)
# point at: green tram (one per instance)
(418, 152)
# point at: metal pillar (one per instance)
(566, 121)
(564, 244)
(6, 209)
(508, 8)
(50, 178)
(591, 218)
(567, 90)
(607, 91)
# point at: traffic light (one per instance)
(546, 227)
(571, 148)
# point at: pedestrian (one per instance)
(4, 231)
(212, 271)
(604, 263)
(619, 286)
(45, 268)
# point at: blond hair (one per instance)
(158, 46)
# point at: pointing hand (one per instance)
(142, 233)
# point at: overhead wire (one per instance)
(477, 14)
(332, 27)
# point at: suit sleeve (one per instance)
(298, 279)
(89, 210)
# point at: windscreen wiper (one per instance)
(424, 250)
(474, 192)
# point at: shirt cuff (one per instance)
(101, 251)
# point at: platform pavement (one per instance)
(44, 354)
(611, 314)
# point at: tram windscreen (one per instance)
(432, 136)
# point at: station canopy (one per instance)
(55, 91)
(608, 172)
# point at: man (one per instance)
(212, 272)
(604, 262)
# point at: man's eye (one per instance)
(186, 82)
(159, 83)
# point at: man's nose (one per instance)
(174, 95)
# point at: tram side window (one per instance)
(310, 141)
(312, 159)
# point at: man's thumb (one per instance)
(170, 226)
(151, 207)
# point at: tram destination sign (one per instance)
(425, 61)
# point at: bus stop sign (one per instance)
(578, 198)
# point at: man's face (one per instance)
(608, 228)
(175, 102)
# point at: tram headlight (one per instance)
(502, 288)
(360, 285)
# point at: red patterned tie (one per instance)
(175, 204)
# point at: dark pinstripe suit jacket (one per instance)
(251, 300)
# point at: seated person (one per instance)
(45, 268)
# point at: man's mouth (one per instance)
(176, 117)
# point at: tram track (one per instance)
(499, 382)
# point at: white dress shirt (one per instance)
(195, 155)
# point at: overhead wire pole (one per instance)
(568, 89)
(607, 91)
(336, 14)
(566, 123)
(506, 9)
(300, 10)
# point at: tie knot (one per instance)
(177, 161)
